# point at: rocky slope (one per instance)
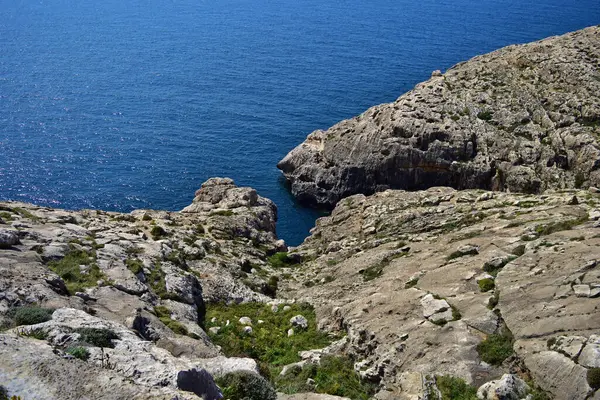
(524, 119)
(145, 277)
(419, 280)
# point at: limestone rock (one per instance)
(590, 355)
(509, 387)
(507, 120)
(299, 321)
(8, 238)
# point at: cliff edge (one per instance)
(525, 118)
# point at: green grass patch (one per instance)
(156, 280)
(333, 375)
(453, 388)
(97, 337)
(268, 343)
(486, 284)
(135, 265)
(76, 279)
(24, 213)
(36, 333)
(281, 260)
(79, 352)
(6, 216)
(496, 348)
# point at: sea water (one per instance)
(125, 104)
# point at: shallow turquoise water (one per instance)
(127, 104)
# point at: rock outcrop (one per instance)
(419, 280)
(143, 276)
(522, 119)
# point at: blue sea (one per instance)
(125, 104)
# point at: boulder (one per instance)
(509, 387)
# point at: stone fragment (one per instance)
(590, 355)
(8, 239)
(299, 321)
(509, 387)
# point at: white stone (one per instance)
(509, 387)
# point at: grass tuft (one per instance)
(486, 284)
(79, 352)
(453, 388)
(496, 348)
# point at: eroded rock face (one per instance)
(145, 276)
(403, 282)
(523, 119)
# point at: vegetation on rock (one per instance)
(496, 348)
(98, 337)
(453, 388)
(593, 378)
(78, 352)
(78, 269)
(30, 315)
(269, 342)
(486, 284)
(333, 375)
(244, 385)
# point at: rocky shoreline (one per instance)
(442, 293)
(523, 118)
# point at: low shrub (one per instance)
(485, 115)
(30, 315)
(281, 260)
(593, 378)
(222, 213)
(157, 232)
(496, 348)
(79, 352)
(543, 230)
(97, 337)
(244, 385)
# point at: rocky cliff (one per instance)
(470, 284)
(140, 282)
(437, 294)
(521, 119)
